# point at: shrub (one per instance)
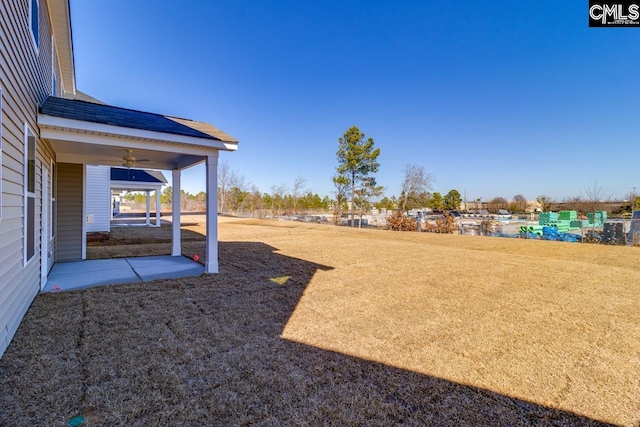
(398, 221)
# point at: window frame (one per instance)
(29, 195)
(52, 199)
(34, 32)
(54, 75)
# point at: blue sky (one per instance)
(492, 98)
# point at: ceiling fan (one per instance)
(129, 160)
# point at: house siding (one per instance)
(70, 216)
(98, 198)
(25, 79)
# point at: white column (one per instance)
(158, 207)
(175, 214)
(211, 264)
(148, 217)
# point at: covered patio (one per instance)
(68, 276)
(84, 133)
(127, 179)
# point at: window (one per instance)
(29, 195)
(34, 18)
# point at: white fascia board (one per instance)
(115, 141)
(47, 122)
(60, 21)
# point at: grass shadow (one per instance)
(208, 351)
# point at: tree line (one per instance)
(356, 190)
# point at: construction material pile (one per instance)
(531, 231)
(563, 221)
(613, 233)
(547, 232)
(552, 233)
(568, 215)
(548, 218)
(634, 230)
(596, 219)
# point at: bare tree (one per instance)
(520, 202)
(231, 185)
(341, 183)
(576, 203)
(277, 195)
(498, 203)
(254, 201)
(298, 187)
(224, 176)
(595, 195)
(415, 181)
(238, 190)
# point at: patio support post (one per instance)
(148, 216)
(211, 264)
(157, 207)
(175, 214)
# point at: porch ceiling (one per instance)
(111, 155)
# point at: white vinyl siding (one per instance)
(98, 198)
(25, 81)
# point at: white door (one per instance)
(44, 230)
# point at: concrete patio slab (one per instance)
(94, 265)
(165, 267)
(84, 274)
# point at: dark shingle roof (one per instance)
(106, 114)
(133, 175)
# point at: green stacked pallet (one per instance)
(568, 215)
(575, 224)
(534, 229)
(597, 218)
(548, 218)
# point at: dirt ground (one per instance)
(320, 325)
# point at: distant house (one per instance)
(50, 132)
(104, 186)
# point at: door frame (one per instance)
(44, 229)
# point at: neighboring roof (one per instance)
(137, 175)
(81, 96)
(106, 114)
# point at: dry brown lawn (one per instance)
(319, 325)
